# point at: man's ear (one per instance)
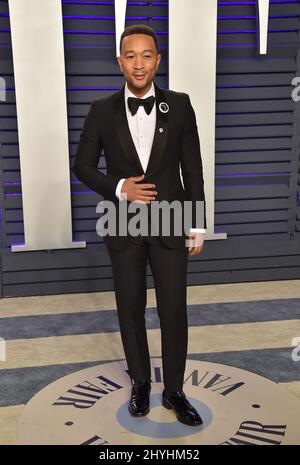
(158, 62)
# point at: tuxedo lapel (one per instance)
(125, 138)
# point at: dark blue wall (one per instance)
(257, 149)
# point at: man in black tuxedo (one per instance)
(148, 134)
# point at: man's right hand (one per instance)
(137, 193)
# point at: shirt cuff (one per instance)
(118, 189)
(197, 230)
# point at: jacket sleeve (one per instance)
(87, 158)
(191, 166)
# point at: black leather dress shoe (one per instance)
(139, 402)
(185, 412)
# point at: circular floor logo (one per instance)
(90, 407)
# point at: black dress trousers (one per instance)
(169, 270)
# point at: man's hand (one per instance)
(196, 243)
(137, 193)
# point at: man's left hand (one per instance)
(196, 243)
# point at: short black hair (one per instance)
(139, 29)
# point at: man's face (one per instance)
(139, 61)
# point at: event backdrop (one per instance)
(256, 169)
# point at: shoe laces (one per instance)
(181, 400)
(140, 385)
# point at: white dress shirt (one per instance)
(142, 128)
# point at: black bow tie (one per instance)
(134, 104)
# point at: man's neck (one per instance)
(140, 92)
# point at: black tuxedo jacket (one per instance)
(176, 142)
